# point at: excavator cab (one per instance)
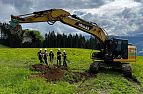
(117, 50)
(121, 49)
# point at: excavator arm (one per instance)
(53, 15)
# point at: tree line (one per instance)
(50, 40)
(57, 40)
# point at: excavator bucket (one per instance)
(14, 22)
(15, 26)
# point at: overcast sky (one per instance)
(117, 17)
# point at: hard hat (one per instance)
(40, 48)
(64, 51)
(58, 48)
(45, 49)
(51, 50)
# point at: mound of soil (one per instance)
(36, 75)
(50, 73)
(40, 67)
(53, 73)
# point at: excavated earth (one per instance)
(50, 73)
(53, 73)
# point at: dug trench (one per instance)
(54, 73)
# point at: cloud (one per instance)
(122, 17)
(117, 17)
(5, 11)
(69, 4)
(24, 6)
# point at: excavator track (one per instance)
(126, 70)
(94, 67)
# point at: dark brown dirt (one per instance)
(40, 67)
(36, 75)
(50, 73)
(53, 73)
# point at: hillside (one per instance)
(15, 75)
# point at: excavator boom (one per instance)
(42, 16)
(53, 15)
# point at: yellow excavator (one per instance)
(113, 53)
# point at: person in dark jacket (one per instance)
(45, 54)
(40, 56)
(51, 54)
(59, 57)
(64, 58)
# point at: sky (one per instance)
(117, 17)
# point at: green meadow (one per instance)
(15, 70)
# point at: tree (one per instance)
(37, 39)
(82, 41)
(45, 42)
(70, 41)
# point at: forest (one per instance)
(49, 40)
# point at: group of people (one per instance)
(44, 56)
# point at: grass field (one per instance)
(14, 75)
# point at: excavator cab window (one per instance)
(120, 49)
